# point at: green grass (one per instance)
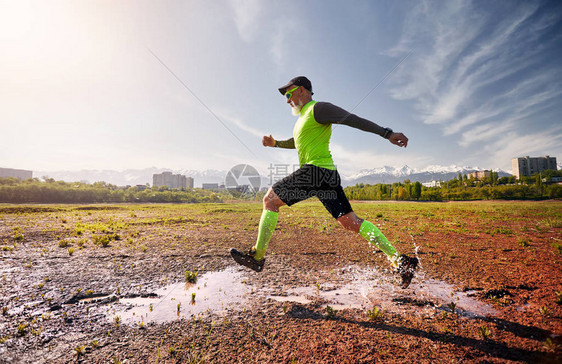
(144, 227)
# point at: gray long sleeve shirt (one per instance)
(327, 113)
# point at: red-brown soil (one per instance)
(508, 254)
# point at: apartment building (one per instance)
(527, 166)
(480, 174)
(171, 180)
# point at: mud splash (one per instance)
(369, 287)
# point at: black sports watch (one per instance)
(387, 133)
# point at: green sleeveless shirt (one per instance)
(312, 139)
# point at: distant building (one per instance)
(189, 181)
(210, 186)
(171, 180)
(432, 184)
(527, 166)
(480, 174)
(16, 173)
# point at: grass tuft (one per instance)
(117, 320)
(22, 328)
(484, 332)
(375, 314)
(551, 345)
(545, 311)
(79, 350)
(63, 243)
(190, 277)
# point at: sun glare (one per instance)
(16, 20)
(53, 41)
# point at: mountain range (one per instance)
(389, 175)
(384, 174)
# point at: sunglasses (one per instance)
(289, 93)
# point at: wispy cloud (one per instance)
(246, 15)
(477, 69)
(518, 104)
(278, 46)
(438, 36)
(265, 24)
(483, 113)
(485, 132)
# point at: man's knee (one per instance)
(268, 198)
(271, 201)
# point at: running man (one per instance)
(318, 176)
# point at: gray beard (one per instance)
(296, 110)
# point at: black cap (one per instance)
(297, 81)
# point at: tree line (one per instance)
(540, 186)
(462, 188)
(13, 190)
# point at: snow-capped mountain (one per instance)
(386, 170)
(389, 174)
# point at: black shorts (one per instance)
(310, 181)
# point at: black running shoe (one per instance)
(247, 259)
(406, 269)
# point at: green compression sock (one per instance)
(268, 222)
(370, 232)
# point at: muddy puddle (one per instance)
(355, 288)
(214, 292)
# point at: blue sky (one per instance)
(94, 84)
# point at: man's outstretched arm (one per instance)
(326, 113)
(269, 141)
